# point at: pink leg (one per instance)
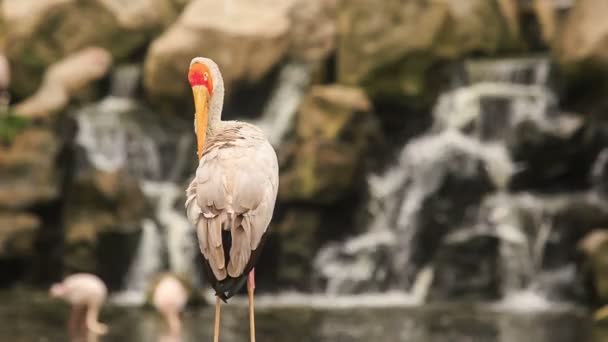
(250, 289)
(251, 279)
(75, 321)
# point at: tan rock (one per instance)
(64, 79)
(390, 48)
(17, 233)
(41, 32)
(595, 247)
(28, 170)
(313, 29)
(102, 202)
(245, 38)
(585, 35)
(333, 129)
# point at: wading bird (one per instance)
(169, 297)
(232, 196)
(84, 292)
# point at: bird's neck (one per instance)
(215, 109)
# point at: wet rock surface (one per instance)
(333, 129)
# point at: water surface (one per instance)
(26, 316)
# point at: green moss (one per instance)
(10, 126)
(406, 80)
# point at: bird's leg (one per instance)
(216, 327)
(174, 323)
(91, 320)
(250, 289)
(74, 320)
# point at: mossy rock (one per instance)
(10, 126)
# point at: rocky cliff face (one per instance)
(370, 199)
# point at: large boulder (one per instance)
(41, 32)
(63, 80)
(595, 248)
(18, 232)
(390, 49)
(466, 267)
(101, 203)
(297, 239)
(245, 38)
(313, 29)
(334, 127)
(28, 166)
(585, 34)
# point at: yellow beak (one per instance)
(201, 106)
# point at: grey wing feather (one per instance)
(234, 189)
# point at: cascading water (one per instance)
(282, 106)
(426, 212)
(114, 136)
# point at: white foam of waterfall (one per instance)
(179, 232)
(326, 301)
(462, 107)
(110, 138)
(114, 137)
(527, 70)
(282, 106)
(143, 267)
(125, 80)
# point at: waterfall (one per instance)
(294, 78)
(447, 194)
(119, 133)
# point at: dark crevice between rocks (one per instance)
(550, 164)
(47, 265)
(248, 99)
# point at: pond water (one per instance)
(31, 317)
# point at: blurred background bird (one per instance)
(86, 293)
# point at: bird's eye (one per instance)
(206, 76)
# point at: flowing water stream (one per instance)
(420, 216)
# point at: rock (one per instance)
(297, 235)
(585, 34)
(595, 248)
(466, 267)
(574, 143)
(28, 166)
(41, 32)
(63, 80)
(5, 74)
(313, 29)
(373, 52)
(17, 234)
(5, 81)
(334, 127)
(101, 204)
(245, 38)
(599, 173)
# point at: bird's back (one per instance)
(231, 201)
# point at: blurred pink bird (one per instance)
(83, 291)
(169, 298)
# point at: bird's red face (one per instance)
(202, 88)
(199, 75)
